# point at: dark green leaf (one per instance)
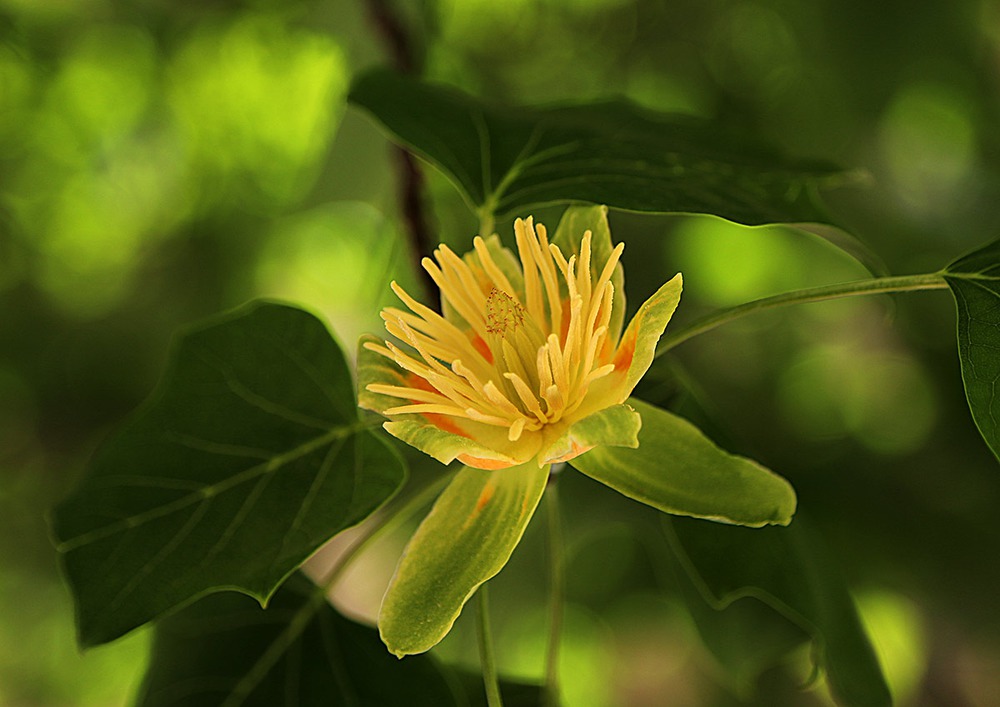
(746, 637)
(226, 650)
(789, 570)
(248, 457)
(614, 153)
(975, 283)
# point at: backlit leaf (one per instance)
(975, 283)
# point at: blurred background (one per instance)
(161, 161)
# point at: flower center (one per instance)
(547, 340)
(503, 313)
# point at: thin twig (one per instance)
(557, 591)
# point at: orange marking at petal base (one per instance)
(442, 422)
(485, 497)
(482, 347)
(576, 451)
(445, 425)
(564, 324)
(481, 463)
(626, 350)
(415, 381)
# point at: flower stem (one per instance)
(486, 657)
(557, 583)
(878, 285)
(486, 220)
(298, 623)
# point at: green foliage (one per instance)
(249, 457)
(789, 570)
(975, 281)
(251, 454)
(506, 160)
(676, 469)
(226, 650)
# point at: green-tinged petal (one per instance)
(447, 447)
(465, 540)
(442, 437)
(616, 426)
(638, 344)
(576, 220)
(676, 469)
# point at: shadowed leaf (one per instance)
(508, 160)
(248, 457)
(789, 570)
(975, 282)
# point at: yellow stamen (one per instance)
(547, 336)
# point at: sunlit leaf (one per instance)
(789, 570)
(615, 153)
(975, 283)
(678, 470)
(465, 540)
(248, 457)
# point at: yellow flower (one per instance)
(527, 362)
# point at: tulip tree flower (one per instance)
(527, 367)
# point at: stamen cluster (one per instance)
(516, 358)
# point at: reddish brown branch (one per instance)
(410, 180)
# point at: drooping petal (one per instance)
(465, 540)
(616, 426)
(677, 469)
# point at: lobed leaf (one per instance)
(506, 161)
(975, 282)
(790, 571)
(678, 470)
(248, 457)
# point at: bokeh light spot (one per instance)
(725, 263)
(882, 399)
(928, 140)
(899, 637)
